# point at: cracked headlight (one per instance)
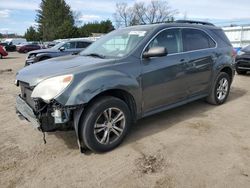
(52, 87)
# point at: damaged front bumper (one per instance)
(24, 110)
(47, 118)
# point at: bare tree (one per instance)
(124, 15)
(156, 11)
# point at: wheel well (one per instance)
(228, 71)
(124, 96)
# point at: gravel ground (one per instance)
(196, 145)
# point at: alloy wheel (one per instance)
(109, 126)
(222, 89)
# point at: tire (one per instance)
(219, 97)
(241, 72)
(1, 56)
(95, 124)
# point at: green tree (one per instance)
(95, 27)
(66, 30)
(31, 34)
(52, 16)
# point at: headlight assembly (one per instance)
(52, 87)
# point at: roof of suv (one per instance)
(192, 24)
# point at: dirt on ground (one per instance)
(193, 146)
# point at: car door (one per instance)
(164, 78)
(69, 48)
(200, 50)
(29, 47)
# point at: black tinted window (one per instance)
(82, 44)
(170, 39)
(194, 39)
(221, 37)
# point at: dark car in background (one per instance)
(8, 46)
(243, 60)
(124, 76)
(69, 47)
(3, 52)
(28, 47)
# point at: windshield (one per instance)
(116, 44)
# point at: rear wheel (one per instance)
(1, 56)
(220, 90)
(105, 124)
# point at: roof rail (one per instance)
(194, 22)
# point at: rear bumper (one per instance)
(24, 110)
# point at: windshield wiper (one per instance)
(95, 55)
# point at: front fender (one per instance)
(85, 89)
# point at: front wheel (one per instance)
(105, 124)
(220, 90)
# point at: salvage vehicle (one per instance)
(63, 48)
(14, 41)
(3, 52)
(126, 75)
(28, 47)
(243, 61)
(9, 47)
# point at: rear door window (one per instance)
(194, 39)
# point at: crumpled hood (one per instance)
(35, 73)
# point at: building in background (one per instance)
(238, 35)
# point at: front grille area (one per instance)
(26, 92)
(243, 62)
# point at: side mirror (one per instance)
(155, 52)
(62, 48)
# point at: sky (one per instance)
(17, 15)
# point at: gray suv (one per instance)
(66, 47)
(126, 75)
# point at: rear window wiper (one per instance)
(95, 55)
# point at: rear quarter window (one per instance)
(221, 37)
(194, 39)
